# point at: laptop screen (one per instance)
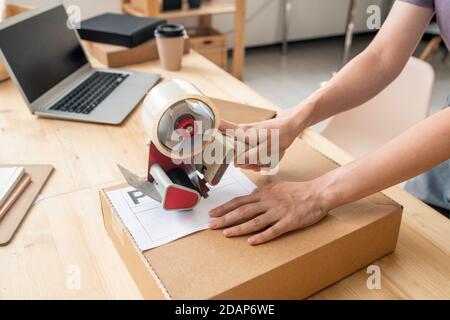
(42, 51)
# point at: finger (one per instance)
(244, 138)
(259, 155)
(249, 157)
(224, 125)
(248, 135)
(271, 233)
(243, 159)
(253, 167)
(256, 224)
(238, 215)
(233, 204)
(263, 154)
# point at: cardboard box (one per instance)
(116, 56)
(206, 265)
(211, 44)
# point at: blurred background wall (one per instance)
(310, 19)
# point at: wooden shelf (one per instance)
(152, 8)
(213, 7)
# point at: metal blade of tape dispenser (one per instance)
(140, 184)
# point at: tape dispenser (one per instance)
(182, 124)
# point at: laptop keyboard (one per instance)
(90, 93)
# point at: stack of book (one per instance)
(13, 183)
(117, 40)
(19, 187)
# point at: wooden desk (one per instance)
(63, 234)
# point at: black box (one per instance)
(169, 5)
(119, 29)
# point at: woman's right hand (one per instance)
(272, 137)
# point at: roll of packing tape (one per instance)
(179, 119)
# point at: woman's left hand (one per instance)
(271, 210)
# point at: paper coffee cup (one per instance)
(170, 43)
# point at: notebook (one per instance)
(15, 194)
(11, 221)
(9, 178)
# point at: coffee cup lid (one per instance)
(170, 30)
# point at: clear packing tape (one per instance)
(171, 105)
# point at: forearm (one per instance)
(420, 148)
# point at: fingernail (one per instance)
(211, 213)
(226, 233)
(251, 241)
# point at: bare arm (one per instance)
(417, 150)
(360, 80)
(371, 71)
(282, 207)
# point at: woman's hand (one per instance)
(281, 207)
(271, 210)
(285, 125)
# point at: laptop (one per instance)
(49, 66)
